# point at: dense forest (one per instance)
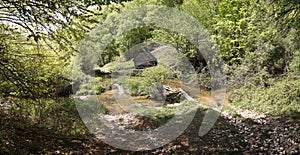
(53, 52)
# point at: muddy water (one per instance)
(203, 96)
(107, 98)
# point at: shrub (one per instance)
(157, 74)
(98, 79)
(295, 64)
(99, 89)
(92, 86)
(139, 85)
(204, 79)
(283, 97)
(135, 86)
(85, 89)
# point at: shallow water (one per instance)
(109, 99)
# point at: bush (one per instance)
(295, 64)
(157, 74)
(86, 89)
(59, 114)
(204, 79)
(99, 89)
(98, 79)
(135, 86)
(139, 85)
(92, 86)
(162, 115)
(283, 97)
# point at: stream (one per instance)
(109, 99)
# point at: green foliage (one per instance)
(139, 85)
(30, 71)
(295, 64)
(287, 14)
(162, 115)
(98, 79)
(204, 79)
(157, 74)
(135, 86)
(42, 19)
(92, 88)
(99, 89)
(203, 11)
(282, 97)
(232, 27)
(60, 114)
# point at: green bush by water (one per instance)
(157, 74)
(139, 85)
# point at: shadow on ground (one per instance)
(20, 135)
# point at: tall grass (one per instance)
(58, 114)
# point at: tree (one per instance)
(232, 28)
(203, 10)
(41, 19)
(30, 32)
(126, 40)
(28, 71)
(287, 14)
(287, 18)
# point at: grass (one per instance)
(41, 125)
(162, 115)
(282, 97)
(135, 86)
(59, 114)
(37, 126)
(139, 85)
(117, 65)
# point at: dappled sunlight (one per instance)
(150, 77)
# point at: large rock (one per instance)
(173, 97)
(156, 92)
(165, 93)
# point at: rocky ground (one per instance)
(241, 132)
(244, 133)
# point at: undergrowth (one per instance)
(282, 97)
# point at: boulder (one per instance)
(156, 92)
